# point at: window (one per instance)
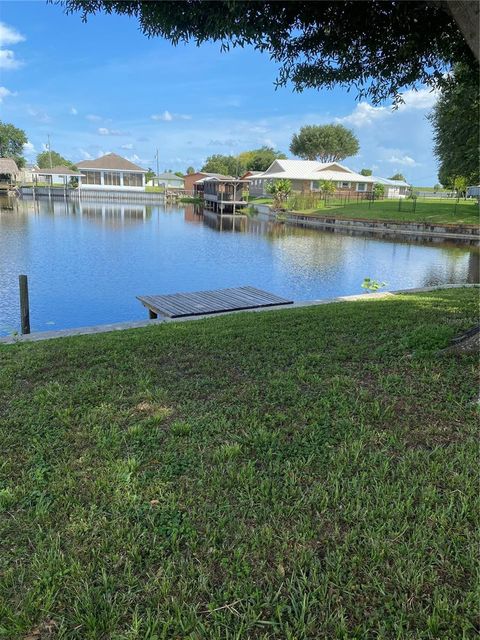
(361, 186)
(132, 180)
(111, 178)
(315, 185)
(91, 177)
(344, 185)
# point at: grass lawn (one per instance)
(154, 189)
(431, 189)
(265, 200)
(433, 210)
(308, 473)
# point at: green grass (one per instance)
(191, 199)
(265, 200)
(308, 473)
(154, 189)
(431, 189)
(434, 210)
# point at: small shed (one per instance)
(8, 173)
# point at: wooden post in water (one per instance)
(24, 304)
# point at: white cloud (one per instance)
(405, 161)
(85, 155)
(40, 116)
(257, 129)
(8, 60)
(128, 146)
(364, 114)
(421, 99)
(28, 148)
(166, 116)
(9, 35)
(229, 142)
(4, 93)
(135, 158)
(73, 111)
(103, 131)
(93, 118)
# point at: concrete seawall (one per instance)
(418, 229)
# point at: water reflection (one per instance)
(86, 261)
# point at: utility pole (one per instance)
(156, 156)
(49, 151)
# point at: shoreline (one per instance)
(139, 324)
(448, 231)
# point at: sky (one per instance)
(102, 86)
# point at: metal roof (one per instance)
(215, 176)
(390, 183)
(168, 176)
(312, 170)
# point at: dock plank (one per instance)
(181, 305)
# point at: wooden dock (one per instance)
(181, 305)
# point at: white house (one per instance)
(168, 180)
(27, 174)
(111, 172)
(393, 188)
(306, 176)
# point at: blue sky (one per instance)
(102, 86)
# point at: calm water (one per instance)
(87, 262)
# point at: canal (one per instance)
(86, 262)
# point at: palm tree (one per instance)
(280, 190)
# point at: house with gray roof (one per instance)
(111, 172)
(168, 180)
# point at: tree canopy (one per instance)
(150, 174)
(259, 159)
(47, 159)
(377, 47)
(326, 143)
(190, 170)
(366, 172)
(398, 176)
(226, 165)
(455, 120)
(12, 141)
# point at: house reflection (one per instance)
(193, 214)
(113, 215)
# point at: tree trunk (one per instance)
(466, 15)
